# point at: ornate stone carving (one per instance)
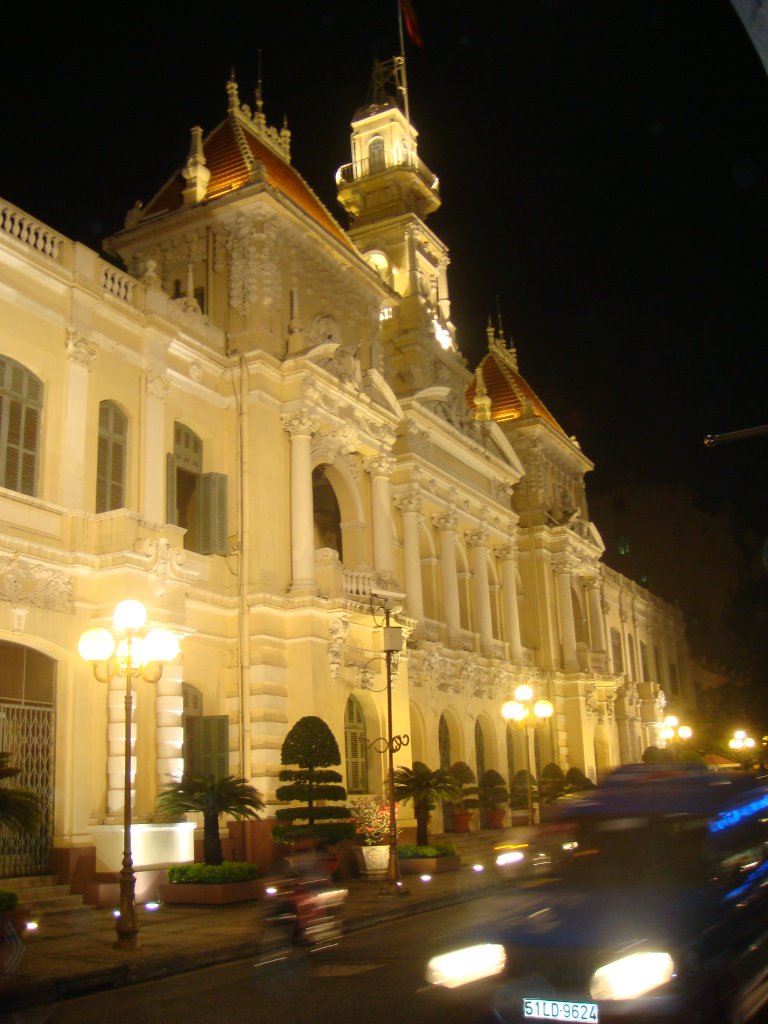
(446, 521)
(409, 502)
(157, 385)
(508, 553)
(338, 628)
(79, 350)
(334, 444)
(478, 538)
(380, 465)
(164, 562)
(31, 583)
(299, 422)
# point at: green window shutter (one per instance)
(355, 747)
(214, 753)
(110, 462)
(171, 513)
(21, 395)
(212, 511)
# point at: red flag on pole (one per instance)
(411, 22)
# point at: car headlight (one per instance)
(632, 976)
(462, 966)
(509, 857)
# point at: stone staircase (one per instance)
(475, 847)
(44, 895)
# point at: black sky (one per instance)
(603, 168)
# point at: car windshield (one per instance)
(659, 850)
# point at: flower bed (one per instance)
(230, 882)
(428, 860)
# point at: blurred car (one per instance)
(659, 911)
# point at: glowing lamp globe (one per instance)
(130, 615)
(513, 711)
(160, 645)
(543, 709)
(96, 644)
(523, 692)
(685, 732)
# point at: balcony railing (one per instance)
(365, 168)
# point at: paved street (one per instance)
(378, 973)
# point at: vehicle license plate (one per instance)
(559, 1009)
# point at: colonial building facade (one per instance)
(259, 422)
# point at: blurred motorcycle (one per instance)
(306, 903)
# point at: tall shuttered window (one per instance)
(21, 402)
(206, 738)
(195, 500)
(110, 463)
(355, 747)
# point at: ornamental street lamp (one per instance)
(743, 744)
(387, 602)
(673, 732)
(122, 653)
(524, 713)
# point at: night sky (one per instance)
(603, 168)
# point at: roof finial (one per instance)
(480, 398)
(498, 317)
(232, 92)
(490, 333)
(259, 99)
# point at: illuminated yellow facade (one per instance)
(261, 420)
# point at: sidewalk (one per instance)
(71, 953)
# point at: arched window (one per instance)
(21, 402)
(326, 511)
(444, 742)
(618, 658)
(376, 160)
(110, 462)
(355, 747)
(195, 500)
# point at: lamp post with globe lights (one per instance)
(743, 745)
(127, 651)
(674, 733)
(524, 712)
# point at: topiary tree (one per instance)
(314, 785)
(492, 790)
(20, 809)
(655, 755)
(551, 782)
(518, 794)
(576, 780)
(467, 786)
(424, 788)
(211, 797)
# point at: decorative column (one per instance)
(412, 263)
(508, 556)
(443, 301)
(153, 480)
(301, 426)
(410, 508)
(447, 524)
(597, 626)
(380, 470)
(567, 626)
(80, 355)
(478, 542)
(169, 731)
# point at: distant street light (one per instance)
(524, 712)
(674, 733)
(743, 744)
(122, 652)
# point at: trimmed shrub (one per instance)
(466, 780)
(9, 900)
(551, 783)
(411, 852)
(576, 780)
(213, 874)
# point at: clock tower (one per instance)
(388, 193)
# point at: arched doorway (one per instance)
(27, 733)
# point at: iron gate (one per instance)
(27, 734)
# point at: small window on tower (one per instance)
(623, 545)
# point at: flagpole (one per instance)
(404, 86)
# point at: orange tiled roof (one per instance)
(229, 172)
(508, 391)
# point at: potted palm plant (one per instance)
(213, 881)
(494, 798)
(424, 787)
(467, 799)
